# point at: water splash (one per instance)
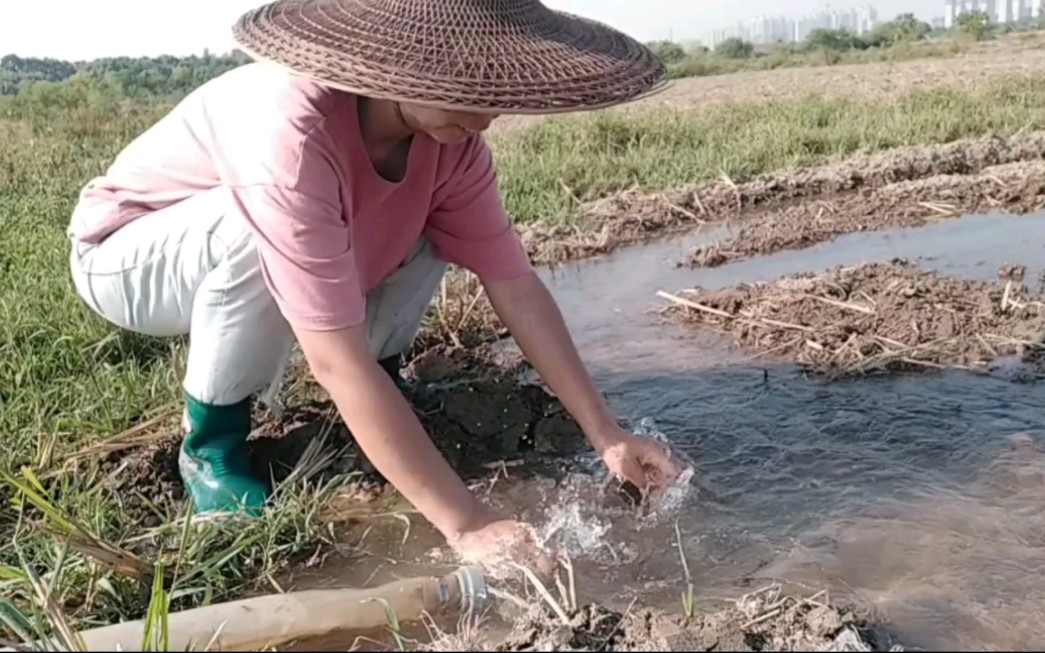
(670, 501)
(578, 521)
(574, 530)
(581, 515)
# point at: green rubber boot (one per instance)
(213, 459)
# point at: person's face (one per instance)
(447, 127)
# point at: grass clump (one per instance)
(62, 574)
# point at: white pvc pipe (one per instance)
(256, 623)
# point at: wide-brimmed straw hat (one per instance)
(503, 56)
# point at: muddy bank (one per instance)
(762, 621)
(878, 317)
(1016, 188)
(473, 404)
(904, 186)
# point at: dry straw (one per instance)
(874, 317)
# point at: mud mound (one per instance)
(764, 621)
(876, 317)
(633, 216)
(474, 424)
(473, 406)
(1015, 187)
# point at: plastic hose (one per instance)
(256, 623)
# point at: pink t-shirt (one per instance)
(328, 227)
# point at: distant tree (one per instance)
(974, 25)
(668, 51)
(831, 39)
(79, 90)
(905, 28)
(164, 76)
(16, 72)
(909, 28)
(735, 48)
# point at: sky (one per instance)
(87, 29)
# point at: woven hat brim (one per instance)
(535, 61)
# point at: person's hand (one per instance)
(497, 544)
(641, 461)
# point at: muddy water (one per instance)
(902, 493)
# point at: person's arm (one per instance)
(471, 228)
(388, 431)
(536, 323)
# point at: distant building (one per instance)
(1000, 12)
(784, 29)
(1003, 12)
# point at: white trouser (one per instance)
(192, 268)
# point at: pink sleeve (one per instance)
(306, 255)
(469, 226)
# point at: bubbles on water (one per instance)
(580, 515)
(577, 522)
(576, 534)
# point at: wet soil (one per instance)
(903, 187)
(475, 404)
(765, 620)
(1016, 188)
(878, 317)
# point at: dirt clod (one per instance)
(876, 317)
(763, 621)
(1012, 271)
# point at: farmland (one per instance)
(89, 413)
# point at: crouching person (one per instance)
(318, 197)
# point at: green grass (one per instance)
(547, 169)
(68, 380)
(67, 576)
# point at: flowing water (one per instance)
(910, 494)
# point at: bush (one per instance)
(735, 48)
(833, 39)
(974, 25)
(668, 52)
